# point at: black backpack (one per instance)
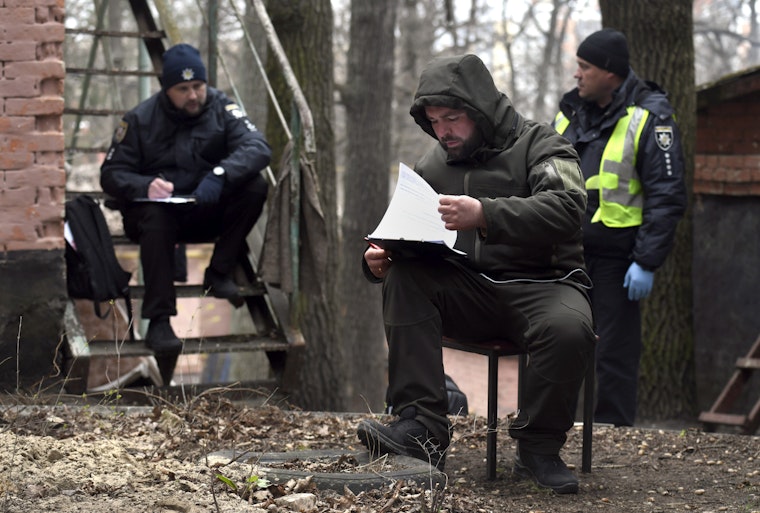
(92, 270)
(457, 399)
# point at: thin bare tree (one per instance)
(367, 96)
(304, 28)
(662, 49)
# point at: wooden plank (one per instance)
(719, 413)
(748, 363)
(753, 419)
(722, 418)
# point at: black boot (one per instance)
(161, 338)
(405, 436)
(221, 286)
(546, 470)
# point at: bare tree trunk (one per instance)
(305, 31)
(414, 50)
(541, 111)
(660, 37)
(367, 96)
(252, 88)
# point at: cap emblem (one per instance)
(188, 74)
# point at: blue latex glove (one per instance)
(638, 282)
(209, 190)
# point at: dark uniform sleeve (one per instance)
(247, 150)
(660, 166)
(119, 174)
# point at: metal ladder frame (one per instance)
(722, 410)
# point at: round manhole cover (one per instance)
(335, 469)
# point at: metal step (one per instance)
(253, 392)
(197, 290)
(204, 345)
(80, 351)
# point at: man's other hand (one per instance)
(209, 190)
(378, 260)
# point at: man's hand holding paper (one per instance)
(414, 225)
(461, 212)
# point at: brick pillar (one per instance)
(32, 191)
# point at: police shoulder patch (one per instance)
(235, 110)
(121, 131)
(663, 135)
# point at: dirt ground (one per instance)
(110, 458)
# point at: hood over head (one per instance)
(464, 82)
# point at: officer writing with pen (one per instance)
(188, 139)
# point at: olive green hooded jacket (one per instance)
(526, 176)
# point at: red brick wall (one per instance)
(728, 147)
(32, 175)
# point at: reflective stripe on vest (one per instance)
(561, 123)
(621, 198)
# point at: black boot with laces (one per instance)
(405, 436)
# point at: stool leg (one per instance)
(588, 416)
(493, 386)
(522, 365)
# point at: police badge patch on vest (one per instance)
(664, 137)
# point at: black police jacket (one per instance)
(154, 139)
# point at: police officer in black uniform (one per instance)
(626, 135)
(191, 140)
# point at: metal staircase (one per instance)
(724, 410)
(91, 344)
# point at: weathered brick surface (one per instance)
(32, 188)
(31, 128)
(43, 106)
(39, 70)
(728, 142)
(16, 124)
(731, 175)
(18, 51)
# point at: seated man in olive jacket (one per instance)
(188, 139)
(513, 190)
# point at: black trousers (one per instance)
(426, 299)
(618, 322)
(158, 227)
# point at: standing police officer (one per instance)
(625, 132)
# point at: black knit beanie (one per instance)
(182, 63)
(606, 49)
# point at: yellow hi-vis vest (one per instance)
(621, 198)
